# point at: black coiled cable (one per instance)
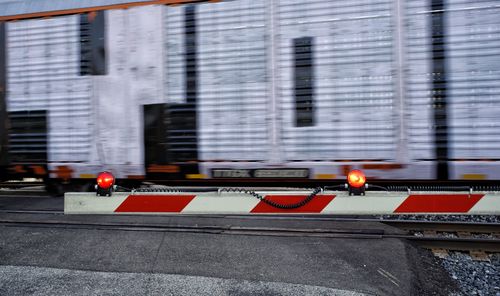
(273, 203)
(238, 190)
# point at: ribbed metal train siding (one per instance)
(419, 76)
(353, 83)
(4, 136)
(233, 81)
(135, 78)
(174, 51)
(365, 85)
(43, 74)
(473, 48)
(472, 39)
(353, 96)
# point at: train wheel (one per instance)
(84, 186)
(54, 187)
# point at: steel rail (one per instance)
(444, 226)
(493, 244)
(458, 244)
(408, 225)
(40, 212)
(213, 229)
(433, 242)
(20, 184)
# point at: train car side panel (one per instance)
(3, 106)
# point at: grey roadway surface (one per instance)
(50, 261)
(70, 282)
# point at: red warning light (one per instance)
(356, 179)
(105, 180)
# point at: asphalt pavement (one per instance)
(47, 260)
(52, 281)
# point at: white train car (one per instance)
(254, 89)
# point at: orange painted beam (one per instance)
(95, 8)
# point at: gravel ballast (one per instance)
(455, 218)
(473, 277)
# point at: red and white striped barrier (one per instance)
(329, 202)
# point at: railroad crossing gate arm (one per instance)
(284, 202)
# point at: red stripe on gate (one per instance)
(316, 205)
(154, 203)
(438, 203)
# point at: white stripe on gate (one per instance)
(84, 203)
(376, 202)
(489, 204)
(225, 203)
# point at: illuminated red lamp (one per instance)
(356, 182)
(105, 184)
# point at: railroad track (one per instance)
(435, 236)
(16, 185)
(212, 229)
(434, 228)
(477, 247)
(429, 234)
(20, 189)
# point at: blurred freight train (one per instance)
(252, 90)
